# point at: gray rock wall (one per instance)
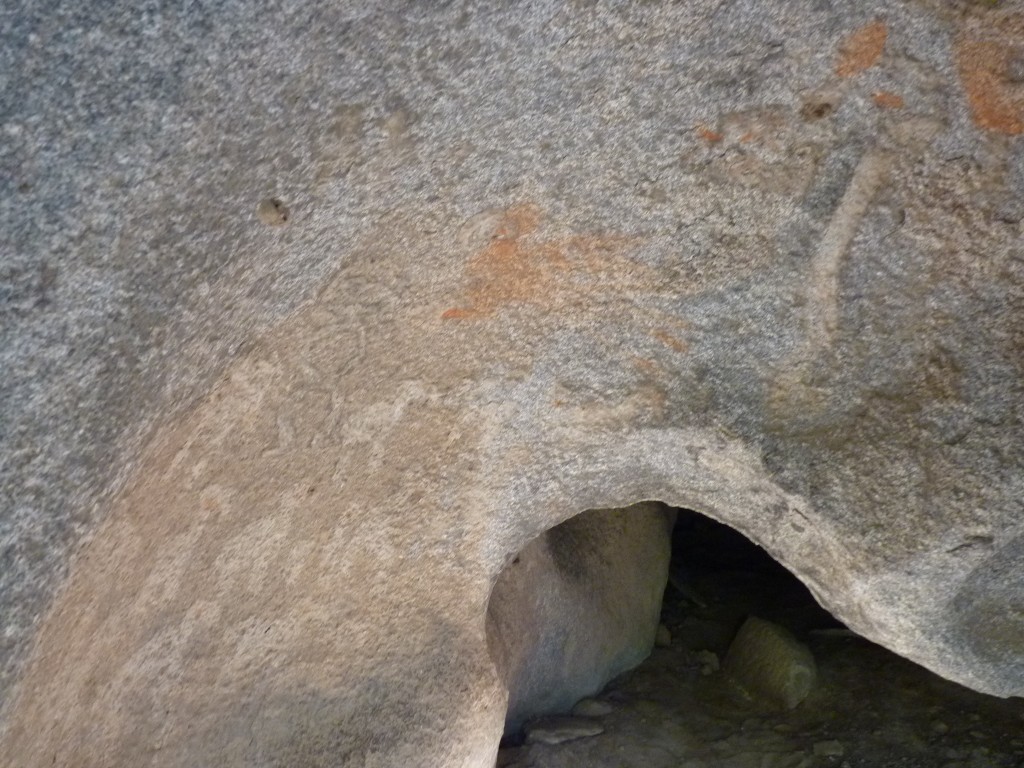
(758, 259)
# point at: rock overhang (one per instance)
(760, 263)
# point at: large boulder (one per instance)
(312, 316)
(577, 606)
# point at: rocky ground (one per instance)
(868, 708)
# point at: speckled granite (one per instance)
(760, 259)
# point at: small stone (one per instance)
(768, 662)
(592, 708)
(977, 735)
(939, 727)
(559, 729)
(663, 638)
(708, 661)
(828, 749)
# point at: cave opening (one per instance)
(651, 635)
(718, 578)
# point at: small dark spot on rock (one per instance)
(47, 281)
(1015, 68)
(816, 109)
(273, 212)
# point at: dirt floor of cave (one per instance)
(869, 708)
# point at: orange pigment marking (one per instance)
(887, 99)
(709, 135)
(862, 49)
(671, 341)
(996, 104)
(649, 367)
(516, 267)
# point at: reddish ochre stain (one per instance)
(709, 135)
(671, 341)
(517, 266)
(456, 313)
(862, 49)
(649, 367)
(996, 103)
(887, 99)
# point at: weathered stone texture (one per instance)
(578, 606)
(760, 259)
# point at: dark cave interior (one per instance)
(867, 707)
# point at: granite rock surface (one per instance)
(577, 606)
(312, 316)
